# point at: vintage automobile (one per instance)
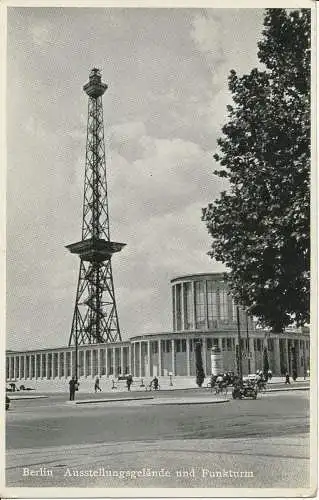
(24, 388)
(245, 389)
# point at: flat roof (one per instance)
(212, 276)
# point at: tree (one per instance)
(200, 374)
(261, 225)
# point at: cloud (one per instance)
(168, 174)
(127, 139)
(207, 34)
(155, 205)
(41, 33)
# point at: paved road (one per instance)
(180, 446)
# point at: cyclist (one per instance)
(260, 381)
(154, 383)
(212, 380)
(220, 381)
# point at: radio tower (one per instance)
(95, 318)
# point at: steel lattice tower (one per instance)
(95, 318)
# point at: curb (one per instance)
(17, 398)
(114, 400)
(288, 389)
(185, 402)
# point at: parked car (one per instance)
(245, 390)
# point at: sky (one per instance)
(167, 74)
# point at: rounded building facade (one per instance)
(203, 302)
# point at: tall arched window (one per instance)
(200, 304)
(223, 305)
(212, 303)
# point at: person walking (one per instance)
(73, 384)
(258, 377)
(287, 381)
(129, 382)
(97, 385)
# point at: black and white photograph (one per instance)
(157, 309)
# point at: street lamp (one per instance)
(76, 356)
(248, 347)
(239, 354)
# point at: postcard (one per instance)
(158, 322)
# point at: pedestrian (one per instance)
(287, 381)
(73, 384)
(154, 383)
(97, 385)
(269, 375)
(220, 381)
(129, 382)
(213, 380)
(294, 375)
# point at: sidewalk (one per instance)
(277, 380)
(110, 386)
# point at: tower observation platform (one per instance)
(95, 250)
(95, 318)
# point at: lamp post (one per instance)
(304, 361)
(248, 347)
(266, 365)
(76, 357)
(239, 354)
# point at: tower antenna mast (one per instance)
(95, 318)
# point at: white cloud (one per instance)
(34, 126)
(207, 34)
(127, 139)
(41, 33)
(169, 174)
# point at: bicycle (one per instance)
(210, 386)
(261, 387)
(221, 389)
(150, 387)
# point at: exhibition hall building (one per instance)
(203, 311)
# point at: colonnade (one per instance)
(59, 363)
(161, 355)
(175, 354)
